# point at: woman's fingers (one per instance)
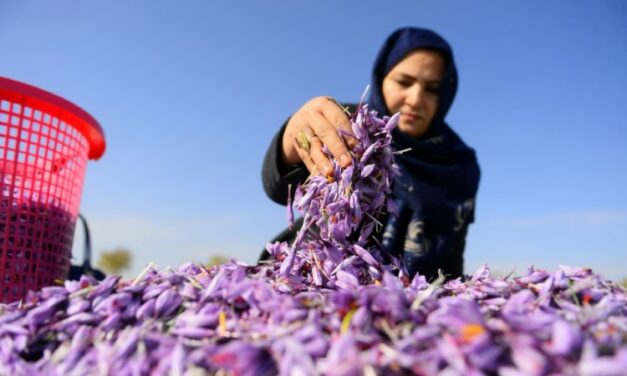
(304, 147)
(314, 126)
(322, 162)
(310, 151)
(341, 119)
(325, 125)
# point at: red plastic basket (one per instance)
(45, 142)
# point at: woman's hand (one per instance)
(316, 124)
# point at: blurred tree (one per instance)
(624, 282)
(216, 260)
(115, 261)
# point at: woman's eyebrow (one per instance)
(406, 76)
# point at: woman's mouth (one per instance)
(409, 116)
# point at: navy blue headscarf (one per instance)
(440, 174)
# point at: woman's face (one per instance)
(412, 88)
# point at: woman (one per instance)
(414, 74)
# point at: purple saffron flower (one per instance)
(565, 338)
(78, 305)
(455, 313)
(113, 303)
(481, 274)
(167, 303)
(194, 332)
(367, 170)
(104, 288)
(346, 281)
(392, 122)
(365, 255)
(44, 312)
(146, 310)
(111, 323)
(81, 318)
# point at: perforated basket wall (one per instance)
(43, 156)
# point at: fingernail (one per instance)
(345, 160)
(351, 142)
(328, 171)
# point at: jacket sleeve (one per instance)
(276, 177)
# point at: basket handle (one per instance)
(87, 246)
(85, 269)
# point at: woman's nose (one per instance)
(414, 96)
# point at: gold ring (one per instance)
(303, 141)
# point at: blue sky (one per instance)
(190, 93)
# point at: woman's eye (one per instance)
(404, 83)
(435, 90)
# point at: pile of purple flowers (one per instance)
(236, 319)
(327, 305)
